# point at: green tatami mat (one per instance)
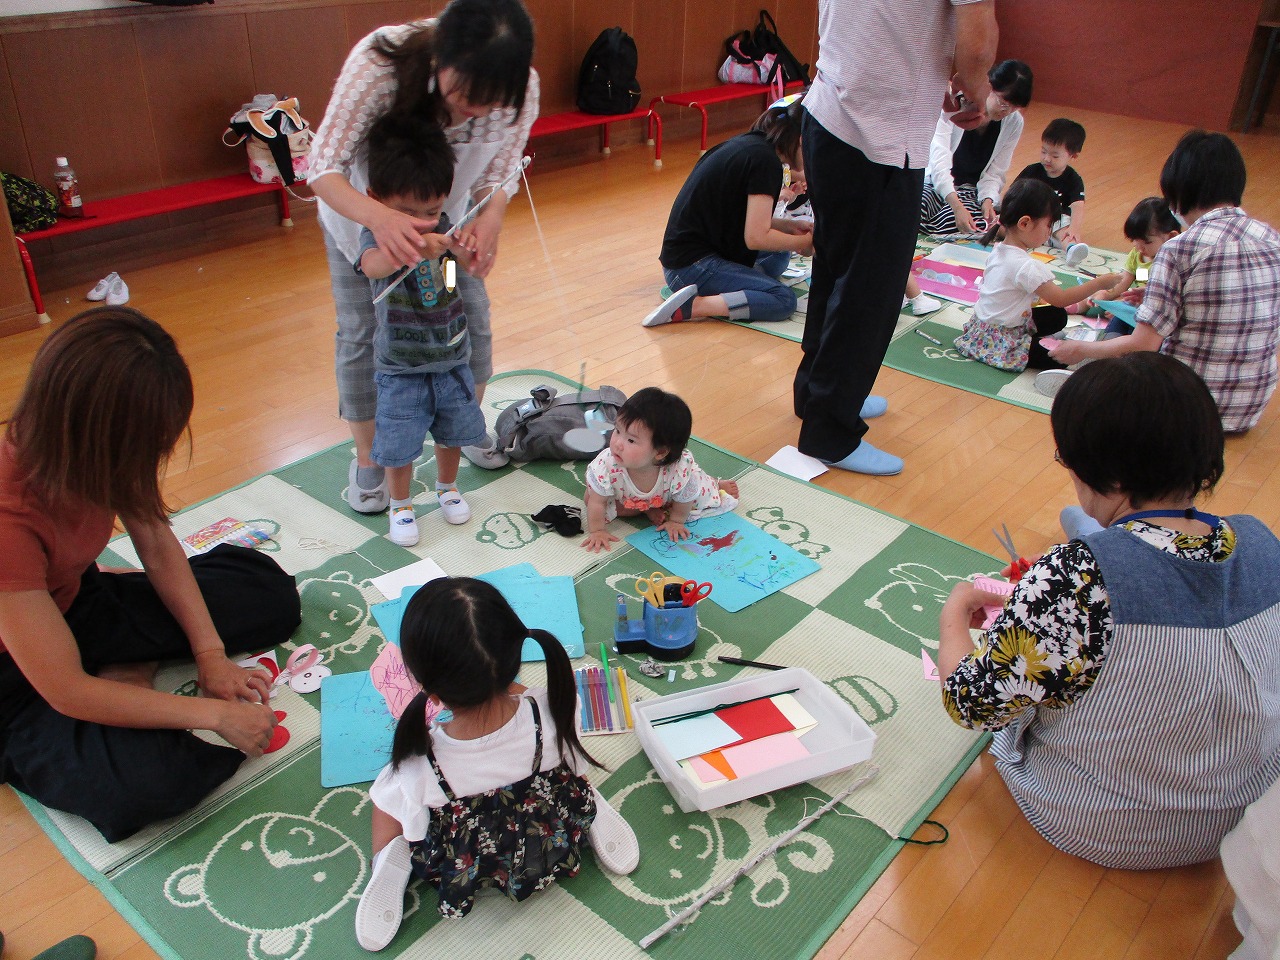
(271, 866)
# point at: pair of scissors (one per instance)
(1018, 564)
(650, 588)
(691, 592)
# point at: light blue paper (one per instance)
(1121, 310)
(695, 736)
(742, 563)
(356, 730)
(549, 603)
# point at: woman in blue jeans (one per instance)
(723, 251)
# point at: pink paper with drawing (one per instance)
(391, 679)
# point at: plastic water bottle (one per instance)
(68, 189)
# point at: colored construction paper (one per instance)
(697, 735)
(756, 756)
(355, 730)
(1126, 312)
(707, 772)
(742, 563)
(1002, 587)
(930, 668)
(715, 759)
(391, 679)
(548, 603)
(801, 719)
(390, 613)
(755, 719)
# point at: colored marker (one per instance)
(626, 698)
(933, 340)
(584, 705)
(604, 665)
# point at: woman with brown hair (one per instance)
(81, 729)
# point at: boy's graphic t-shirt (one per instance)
(1069, 186)
(422, 326)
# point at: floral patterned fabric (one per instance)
(680, 482)
(517, 839)
(1047, 646)
(1005, 348)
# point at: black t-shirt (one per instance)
(710, 212)
(974, 152)
(1069, 187)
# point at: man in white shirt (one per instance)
(883, 70)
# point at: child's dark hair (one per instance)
(1064, 133)
(1204, 171)
(1011, 79)
(461, 641)
(667, 416)
(1142, 424)
(487, 43)
(1024, 198)
(107, 399)
(780, 125)
(1150, 215)
(408, 157)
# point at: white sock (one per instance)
(407, 502)
(442, 487)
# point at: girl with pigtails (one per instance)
(494, 795)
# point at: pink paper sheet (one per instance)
(765, 754)
(1002, 587)
(391, 679)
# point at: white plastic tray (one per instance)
(840, 740)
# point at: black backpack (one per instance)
(607, 81)
(765, 39)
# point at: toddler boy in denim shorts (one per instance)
(421, 346)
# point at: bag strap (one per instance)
(771, 26)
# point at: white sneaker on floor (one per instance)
(614, 842)
(674, 309)
(1076, 254)
(924, 304)
(404, 527)
(455, 509)
(1049, 382)
(381, 906)
(117, 293)
(365, 501)
(99, 291)
(491, 457)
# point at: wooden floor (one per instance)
(255, 323)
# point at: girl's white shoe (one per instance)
(99, 291)
(381, 906)
(612, 838)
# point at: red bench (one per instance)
(701, 99)
(149, 203)
(577, 120)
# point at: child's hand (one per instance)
(600, 540)
(435, 245)
(675, 530)
(1134, 295)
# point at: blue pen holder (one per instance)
(665, 633)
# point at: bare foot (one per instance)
(135, 674)
(730, 487)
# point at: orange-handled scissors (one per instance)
(691, 592)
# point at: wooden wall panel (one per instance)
(13, 148)
(322, 32)
(659, 35)
(190, 98)
(363, 18)
(587, 20)
(96, 115)
(553, 52)
(1135, 59)
(705, 27)
(798, 27)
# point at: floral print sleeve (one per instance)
(1044, 649)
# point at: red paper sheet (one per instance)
(754, 720)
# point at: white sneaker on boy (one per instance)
(381, 906)
(404, 527)
(614, 842)
(455, 509)
(99, 291)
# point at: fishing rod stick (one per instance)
(647, 941)
(452, 231)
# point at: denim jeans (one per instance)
(752, 293)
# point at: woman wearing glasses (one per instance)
(1133, 677)
(966, 171)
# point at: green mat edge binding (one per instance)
(821, 934)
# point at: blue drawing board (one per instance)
(546, 602)
(742, 563)
(356, 729)
(1120, 310)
